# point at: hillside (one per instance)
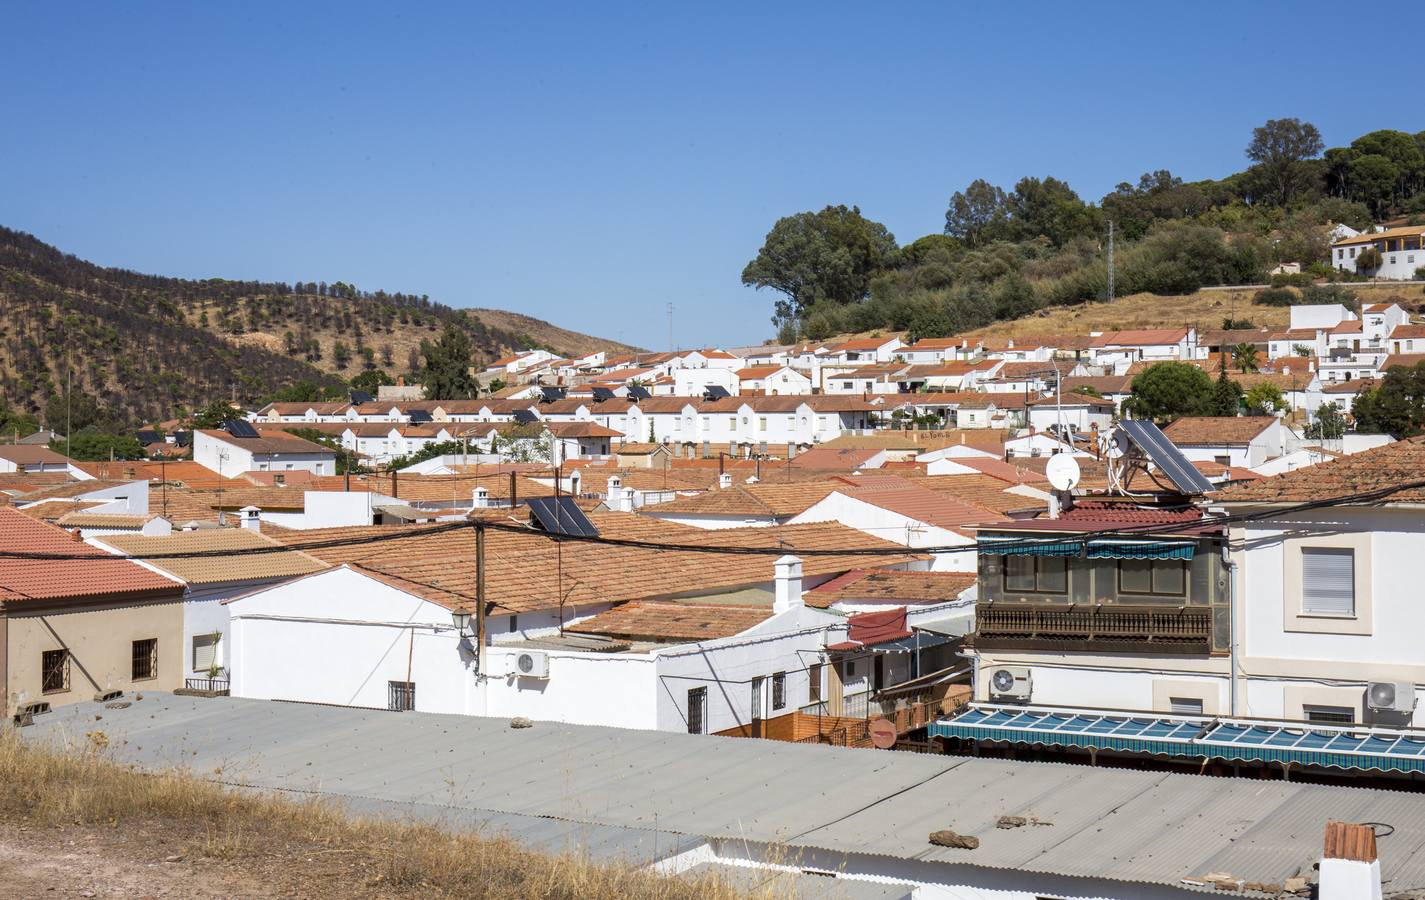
(147, 347)
(539, 333)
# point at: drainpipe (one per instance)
(1232, 574)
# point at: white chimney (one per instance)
(724, 480)
(629, 503)
(1350, 869)
(615, 497)
(251, 518)
(788, 593)
(481, 497)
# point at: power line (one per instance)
(1076, 537)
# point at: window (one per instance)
(1328, 581)
(1042, 574)
(401, 696)
(205, 652)
(762, 422)
(814, 683)
(697, 709)
(779, 690)
(514, 623)
(757, 698)
(145, 659)
(1185, 706)
(878, 674)
(1152, 576)
(1329, 715)
(54, 671)
(1222, 459)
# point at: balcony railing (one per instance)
(213, 685)
(1121, 628)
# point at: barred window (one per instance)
(779, 690)
(145, 659)
(401, 696)
(54, 669)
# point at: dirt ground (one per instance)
(160, 860)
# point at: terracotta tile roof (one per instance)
(216, 569)
(1347, 326)
(580, 429)
(96, 575)
(1371, 238)
(31, 455)
(84, 519)
(935, 344)
(892, 585)
(988, 439)
(524, 571)
(1396, 463)
(870, 628)
(1006, 472)
(272, 440)
(1294, 334)
(981, 490)
(861, 344)
(835, 458)
(1410, 360)
(672, 621)
(1407, 331)
(49, 510)
(1353, 387)
(753, 373)
(1073, 398)
(1217, 431)
(1141, 337)
(766, 499)
(69, 489)
(297, 408)
(16, 483)
(917, 503)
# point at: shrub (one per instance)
(1291, 279)
(1329, 293)
(1276, 296)
(1420, 274)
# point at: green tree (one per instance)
(1373, 181)
(371, 380)
(1395, 406)
(99, 445)
(78, 412)
(1368, 260)
(1226, 393)
(446, 374)
(1280, 147)
(302, 391)
(978, 214)
(14, 423)
(215, 414)
(1329, 424)
(1264, 400)
(930, 320)
(1014, 297)
(1244, 357)
(1049, 208)
(341, 354)
(822, 257)
(1167, 390)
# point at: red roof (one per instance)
(1106, 515)
(97, 575)
(869, 629)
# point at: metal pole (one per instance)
(1110, 260)
(480, 598)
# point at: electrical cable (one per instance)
(1076, 537)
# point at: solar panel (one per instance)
(240, 429)
(715, 392)
(361, 397)
(524, 416)
(601, 394)
(560, 515)
(1165, 455)
(421, 415)
(550, 394)
(638, 392)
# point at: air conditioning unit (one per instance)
(1391, 696)
(531, 664)
(1010, 683)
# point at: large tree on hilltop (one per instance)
(978, 214)
(446, 374)
(1280, 147)
(820, 257)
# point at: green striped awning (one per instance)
(1098, 548)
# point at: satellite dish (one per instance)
(1115, 445)
(1063, 472)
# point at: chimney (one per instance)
(724, 480)
(251, 518)
(481, 497)
(1350, 869)
(788, 592)
(614, 496)
(629, 503)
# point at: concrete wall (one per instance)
(892, 526)
(99, 637)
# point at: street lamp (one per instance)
(461, 620)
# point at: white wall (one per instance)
(892, 526)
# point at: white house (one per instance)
(210, 580)
(277, 451)
(1246, 441)
(1079, 411)
(772, 379)
(1400, 251)
(33, 458)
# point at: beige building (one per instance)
(81, 623)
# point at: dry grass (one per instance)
(276, 839)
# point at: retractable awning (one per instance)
(1097, 548)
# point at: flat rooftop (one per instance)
(644, 794)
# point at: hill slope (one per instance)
(540, 333)
(148, 347)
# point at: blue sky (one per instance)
(590, 163)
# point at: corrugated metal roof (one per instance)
(1114, 824)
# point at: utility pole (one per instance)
(1110, 260)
